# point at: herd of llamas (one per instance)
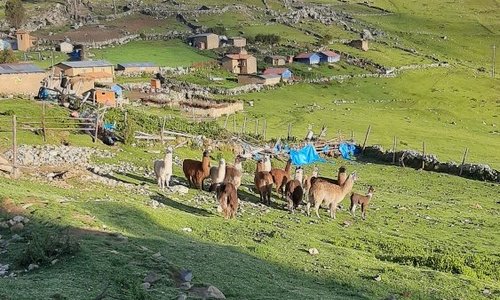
(226, 180)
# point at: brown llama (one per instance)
(197, 171)
(294, 191)
(281, 177)
(228, 200)
(217, 174)
(341, 177)
(363, 201)
(330, 194)
(263, 183)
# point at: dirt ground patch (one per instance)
(88, 34)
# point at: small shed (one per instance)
(284, 73)
(205, 41)
(328, 56)
(270, 79)
(237, 41)
(276, 60)
(359, 44)
(65, 47)
(103, 97)
(308, 58)
(137, 68)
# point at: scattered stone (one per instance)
(186, 276)
(146, 285)
(486, 292)
(313, 251)
(156, 255)
(16, 238)
(20, 219)
(4, 225)
(32, 267)
(213, 293)
(17, 227)
(182, 297)
(54, 261)
(155, 204)
(179, 189)
(185, 286)
(4, 269)
(377, 278)
(152, 277)
(187, 229)
(347, 223)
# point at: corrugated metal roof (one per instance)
(202, 34)
(86, 64)
(329, 53)
(19, 69)
(138, 65)
(304, 55)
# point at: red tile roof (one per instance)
(329, 53)
(304, 55)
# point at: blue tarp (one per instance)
(348, 150)
(304, 156)
(117, 89)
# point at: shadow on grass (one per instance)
(179, 206)
(245, 195)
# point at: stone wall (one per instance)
(413, 159)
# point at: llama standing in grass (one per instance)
(267, 163)
(363, 201)
(217, 174)
(294, 191)
(228, 199)
(197, 171)
(163, 169)
(307, 181)
(329, 193)
(235, 172)
(263, 183)
(281, 177)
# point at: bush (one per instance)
(42, 248)
(269, 39)
(220, 30)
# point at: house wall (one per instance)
(286, 75)
(272, 81)
(24, 41)
(206, 42)
(79, 84)
(230, 65)
(65, 47)
(249, 65)
(27, 84)
(238, 42)
(250, 79)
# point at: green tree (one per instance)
(15, 13)
(7, 56)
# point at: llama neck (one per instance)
(298, 176)
(205, 162)
(168, 156)
(347, 186)
(238, 165)
(288, 166)
(222, 169)
(369, 195)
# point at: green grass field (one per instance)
(173, 53)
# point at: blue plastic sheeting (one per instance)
(304, 156)
(109, 126)
(348, 150)
(117, 89)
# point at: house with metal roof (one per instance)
(20, 79)
(328, 56)
(137, 68)
(311, 58)
(97, 69)
(240, 63)
(284, 73)
(270, 79)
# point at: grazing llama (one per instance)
(235, 172)
(228, 200)
(163, 169)
(294, 191)
(281, 177)
(330, 194)
(363, 201)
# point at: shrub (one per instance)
(269, 39)
(44, 247)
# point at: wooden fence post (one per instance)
(14, 147)
(264, 129)
(164, 120)
(43, 123)
(463, 161)
(234, 123)
(244, 126)
(423, 155)
(366, 137)
(289, 133)
(394, 151)
(225, 122)
(352, 135)
(256, 126)
(96, 129)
